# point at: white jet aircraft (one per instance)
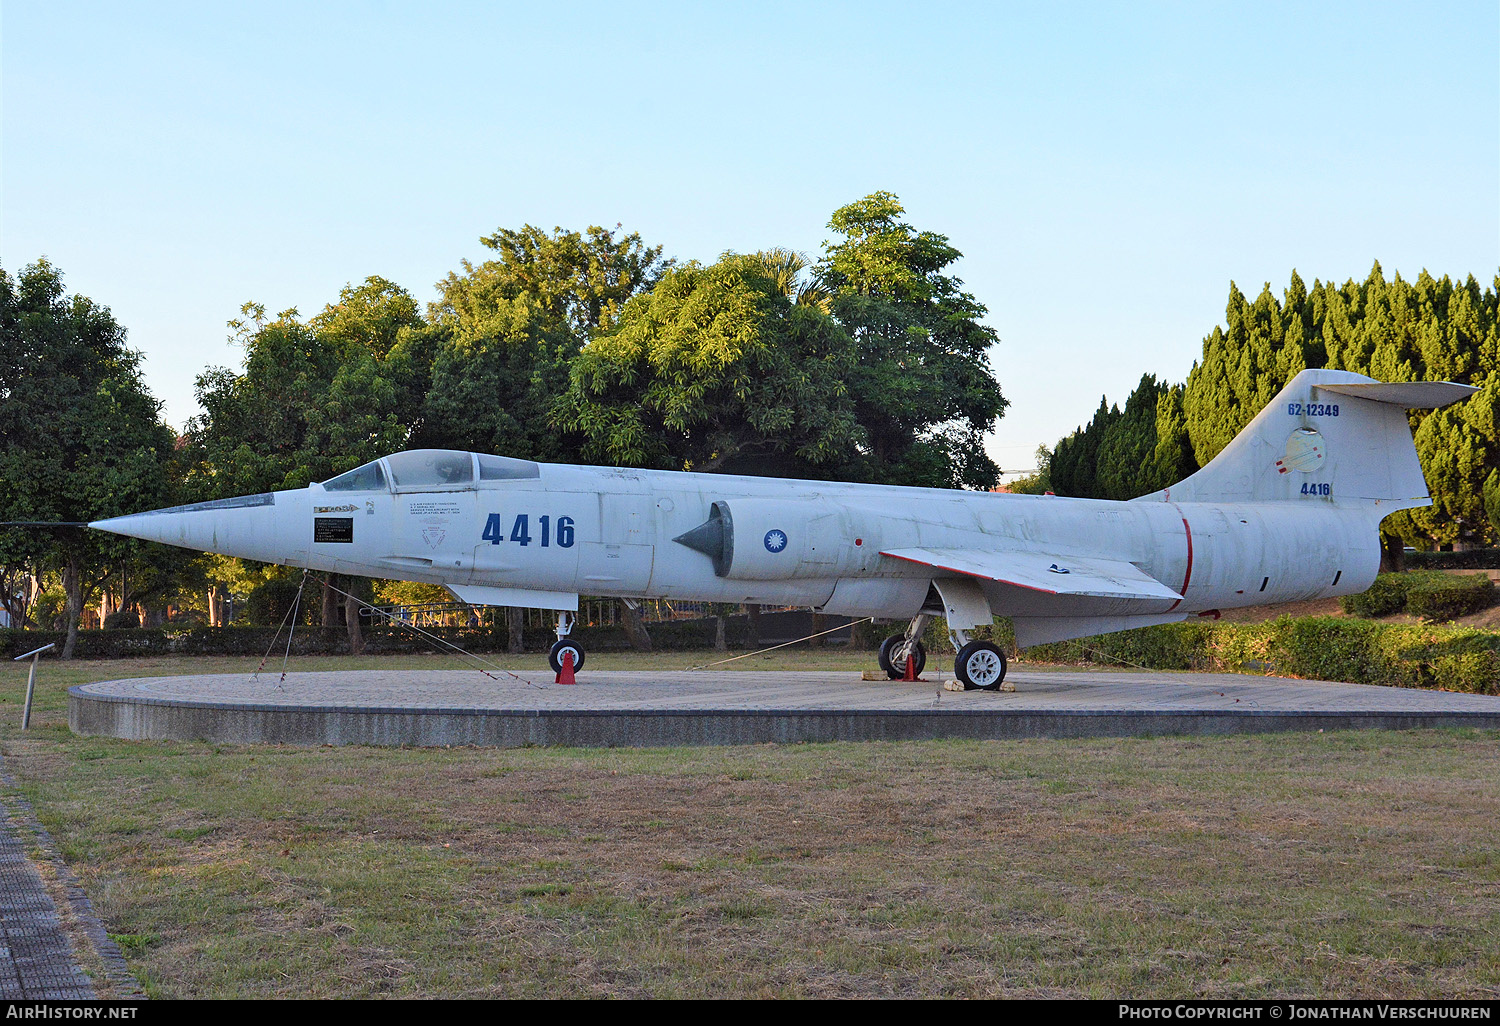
(1288, 511)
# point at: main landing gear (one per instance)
(980, 665)
(563, 645)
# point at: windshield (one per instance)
(367, 478)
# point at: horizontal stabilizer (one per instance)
(1409, 395)
(523, 598)
(1038, 571)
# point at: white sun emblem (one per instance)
(775, 541)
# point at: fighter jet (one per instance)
(1290, 510)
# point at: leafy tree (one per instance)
(309, 405)
(1075, 459)
(1039, 483)
(922, 388)
(371, 316)
(314, 399)
(1491, 498)
(505, 333)
(1244, 367)
(583, 279)
(717, 369)
(493, 380)
(1127, 453)
(1173, 459)
(81, 438)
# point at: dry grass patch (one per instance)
(1358, 864)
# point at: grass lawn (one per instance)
(1339, 864)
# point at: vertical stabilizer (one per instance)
(1330, 436)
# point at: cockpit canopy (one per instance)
(426, 470)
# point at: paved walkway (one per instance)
(36, 960)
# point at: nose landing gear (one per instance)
(562, 645)
(898, 650)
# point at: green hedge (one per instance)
(1472, 559)
(1321, 648)
(1386, 596)
(676, 635)
(1430, 594)
(1450, 597)
(1318, 648)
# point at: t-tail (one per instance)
(1331, 435)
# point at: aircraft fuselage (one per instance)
(610, 532)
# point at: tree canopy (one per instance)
(312, 401)
(870, 364)
(717, 368)
(922, 385)
(505, 335)
(81, 438)
(1392, 330)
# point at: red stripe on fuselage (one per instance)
(1187, 575)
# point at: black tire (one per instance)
(883, 657)
(555, 656)
(897, 668)
(980, 665)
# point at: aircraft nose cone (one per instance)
(245, 526)
(136, 525)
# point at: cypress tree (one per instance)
(1390, 329)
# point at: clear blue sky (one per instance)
(1107, 169)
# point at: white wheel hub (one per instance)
(983, 668)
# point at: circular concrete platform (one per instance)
(454, 707)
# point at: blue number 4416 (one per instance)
(520, 531)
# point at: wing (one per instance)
(1053, 574)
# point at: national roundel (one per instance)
(775, 540)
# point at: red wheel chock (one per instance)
(565, 675)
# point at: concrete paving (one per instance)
(448, 707)
(36, 960)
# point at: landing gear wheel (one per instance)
(555, 656)
(980, 665)
(894, 665)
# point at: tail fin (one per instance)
(1330, 435)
